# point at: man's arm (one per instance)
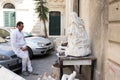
(13, 38)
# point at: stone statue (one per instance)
(78, 43)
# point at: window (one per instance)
(9, 15)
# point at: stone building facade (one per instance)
(12, 11)
(102, 22)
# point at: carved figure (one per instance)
(78, 43)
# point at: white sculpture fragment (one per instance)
(69, 77)
(78, 43)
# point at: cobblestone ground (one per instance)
(41, 65)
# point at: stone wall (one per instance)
(112, 66)
(92, 13)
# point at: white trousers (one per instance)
(26, 63)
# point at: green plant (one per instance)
(42, 11)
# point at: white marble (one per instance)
(69, 77)
(78, 43)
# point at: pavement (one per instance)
(42, 64)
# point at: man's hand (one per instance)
(23, 49)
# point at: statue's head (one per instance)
(81, 22)
(75, 19)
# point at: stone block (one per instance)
(114, 32)
(114, 11)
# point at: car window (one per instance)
(4, 33)
(26, 34)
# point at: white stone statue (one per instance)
(78, 43)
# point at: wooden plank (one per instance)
(77, 62)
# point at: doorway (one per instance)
(54, 23)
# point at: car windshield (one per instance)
(26, 34)
(6, 34)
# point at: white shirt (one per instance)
(17, 39)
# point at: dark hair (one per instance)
(19, 23)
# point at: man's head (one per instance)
(20, 25)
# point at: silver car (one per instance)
(37, 45)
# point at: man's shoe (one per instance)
(25, 73)
(33, 73)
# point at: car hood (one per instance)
(7, 52)
(37, 39)
(6, 46)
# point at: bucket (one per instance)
(55, 71)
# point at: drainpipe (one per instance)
(102, 38)
(78, 7)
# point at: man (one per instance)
(20, 48)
